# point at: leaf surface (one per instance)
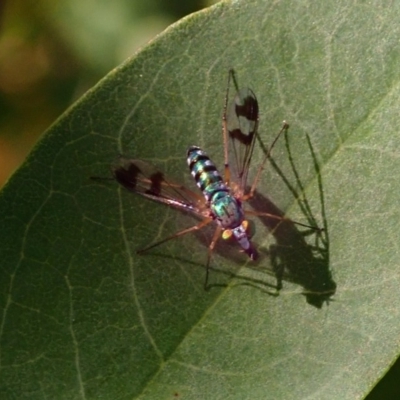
(84, 317)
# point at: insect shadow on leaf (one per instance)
(222, 197)
(301, 257)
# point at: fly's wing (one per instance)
(242, 123)
(145, 179)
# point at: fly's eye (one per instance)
(245, 225)
(226, 234)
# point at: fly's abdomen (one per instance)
(204, 172)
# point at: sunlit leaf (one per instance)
(84, 317)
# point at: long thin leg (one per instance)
(227, 174)
(285, 127)
(214, 240)
(200, 225)
(279, 218)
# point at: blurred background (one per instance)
(51, 52)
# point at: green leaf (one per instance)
(84, 317)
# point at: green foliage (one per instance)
(85, 317)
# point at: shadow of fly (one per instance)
(222, 197)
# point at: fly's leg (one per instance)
(214, 240)
(279, 218)
(248, 196)
(200, 225)
(227, 173)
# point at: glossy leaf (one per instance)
(84, 317)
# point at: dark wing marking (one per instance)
(145, 179)
(242, 124)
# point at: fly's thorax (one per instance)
(215, 190)
(227, 210)
(204, 172)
